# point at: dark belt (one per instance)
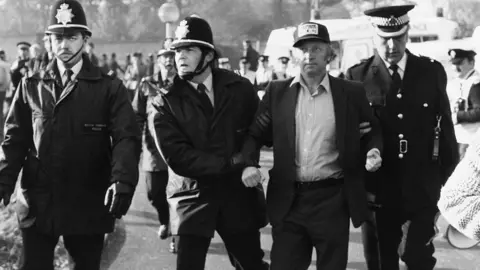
(325, 183)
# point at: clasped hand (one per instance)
(252, 177)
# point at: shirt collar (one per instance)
(299, 80)
(208, 83)
(402, 64)
(76, 68)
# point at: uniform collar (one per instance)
(402, 64)
(76, 68)
(208, 83)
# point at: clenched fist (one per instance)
(252, 176)
(374, 160)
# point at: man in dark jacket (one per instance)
(18, 69)
(408, 95)
(251, 54)
(200, 126)
(73, 132)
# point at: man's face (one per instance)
(391, 49)
(246, 45)
(187, 58)
(47, 45)
(314, 57)
(23, 52)
(264, 64)
(137, 60)
(166, 61)
(34, 51)
(244, 65)
(65, 46)
(463, 67)
(3, 57)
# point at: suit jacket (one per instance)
(413, 179)
(275, 125)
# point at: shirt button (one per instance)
(400, 116)
(400, 136)
(400, 156)
(399, 96)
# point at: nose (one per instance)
(390, 43)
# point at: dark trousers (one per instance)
(370, 236)
(38, 250)
(156, 183)
(318, 219)
(244, 250)
(405, 236)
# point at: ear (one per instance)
(209, 57)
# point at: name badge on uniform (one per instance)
(94, 128)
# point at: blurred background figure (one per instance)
(264, 73)
(128, 62)
(47, 55)
(17, 70)
(245, 71)
(166, 67)
(4, 84)
(114, 66)
(35, 62)
(282, 67)
(90, 50)
(135, 73)
(464, 96)
(224, 63)
(150, 64)
(250, 54)
(103, 64)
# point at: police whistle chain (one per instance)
(436, 138)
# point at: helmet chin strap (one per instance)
(68, 62)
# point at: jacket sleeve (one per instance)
(448, 153)
(125, 133)
(260, 131)
(139, 104)
(473, 113)
(460, 197)
(374, 138)
(177, 150)
(18, 137)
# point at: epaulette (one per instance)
(362, 61)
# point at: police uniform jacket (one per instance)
(149, 88)
(203, 188)
(71, 149)
(410, 175)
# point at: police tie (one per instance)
(58, 90)
(205, 100)
(396, 79)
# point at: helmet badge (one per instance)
(182, 30)
(64, 14)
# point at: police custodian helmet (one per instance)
(67, 17)
(193, 30)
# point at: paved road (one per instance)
(134, 244)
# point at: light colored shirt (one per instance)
(164, 74)
(402, 64)
(209, 85)
(316, 149)
(76, 69)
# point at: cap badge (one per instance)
(392, 20)
(182, 30)
(64, 14)
(307, 29)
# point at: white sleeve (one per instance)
(460, 197)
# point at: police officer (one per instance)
(408, 95)
(72, 130)
(153, 168)
(18, 69)
(200, 127)
(464, 94)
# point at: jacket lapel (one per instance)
(289, 105)
(222, 98)
(377, 81)
(410, 71)
(340, 109)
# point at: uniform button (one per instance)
(400, 136)
(425, 105)
(399, 96)
(370, 104)
(400, 156)
(400, 116)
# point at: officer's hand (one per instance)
(365, 128)
(5, 194)
(118, 199)
(252, 176)
(374, 160)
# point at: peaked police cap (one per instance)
(390, 21)
(193, 30)
(67, 17)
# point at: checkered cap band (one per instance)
(392, 21)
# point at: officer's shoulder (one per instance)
(108, 75)
(428, 61)
(365, 62)
(230, 77)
